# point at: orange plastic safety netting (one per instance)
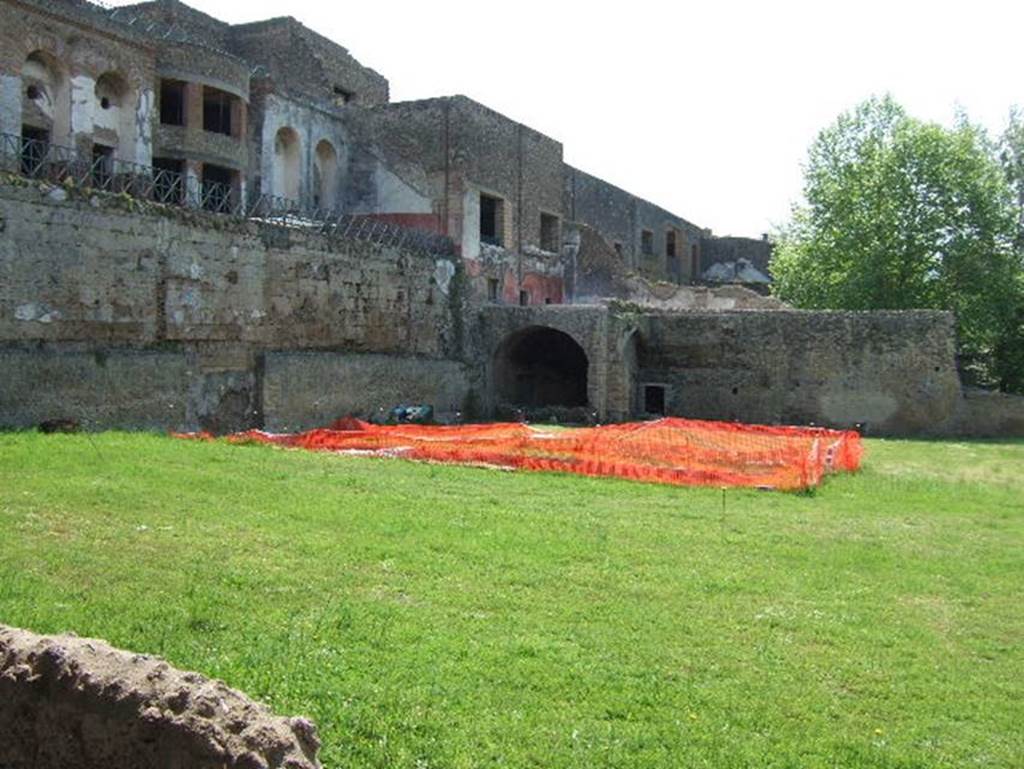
(683, 452)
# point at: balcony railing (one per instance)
(36, 159)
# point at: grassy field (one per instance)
(432, 616)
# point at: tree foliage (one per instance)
(902, 214)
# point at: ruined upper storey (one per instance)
(298, 60)
(272, 111)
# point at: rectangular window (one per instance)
(216, 111)
(172, 102)
(647, 243)
(524, 298)
(217, 183)
(654, 399)
(618, 248)
(168, 180)
(695, 261)
(670, 243)
(492, 220)
(492, 289)
(550, 233)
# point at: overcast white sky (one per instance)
(704, 108)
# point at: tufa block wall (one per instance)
(165, 317)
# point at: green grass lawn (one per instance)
(431, 616)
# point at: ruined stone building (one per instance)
(204, 224)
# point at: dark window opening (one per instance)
(618, 248)
(647, 243)
(35, 144)
(217, 111)
(102, 165)
(654, 399)
(547, 300)
(549, 232)
(670, 244)
(341, 96)
(694, 261)
(217, 188)
(524, 298)
(168, 180)
(541, 367)
(105, 102)
(33, 92)
(492, 222)
(172, 102)
(492, 289)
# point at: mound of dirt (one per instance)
(78, 702)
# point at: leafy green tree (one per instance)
(902, 214)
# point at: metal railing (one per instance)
(41, 160)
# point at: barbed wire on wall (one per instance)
(66, 166)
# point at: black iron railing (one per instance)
(41, 160)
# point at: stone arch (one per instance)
(540, 366)
(46, 96)
(325, 175)
(113, 115)
(287, 164)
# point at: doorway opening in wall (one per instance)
(35, 144)
(217, 182)
(172, 102)
(492, 219)
(524, 298)
(102, 165)
(216, 111)
(654, 399)
(168, 180)
(492, 289)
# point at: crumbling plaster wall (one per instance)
(85, 46)
(166, 317)
(313, 125)
(78, 702)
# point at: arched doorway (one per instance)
(287, 164)
(325, 175)
(540, 367)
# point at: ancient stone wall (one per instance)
(621, 219)
(77, 702)
(892, 372)
(124, 314)
(303, 63)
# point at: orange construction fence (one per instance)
(683, 452)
